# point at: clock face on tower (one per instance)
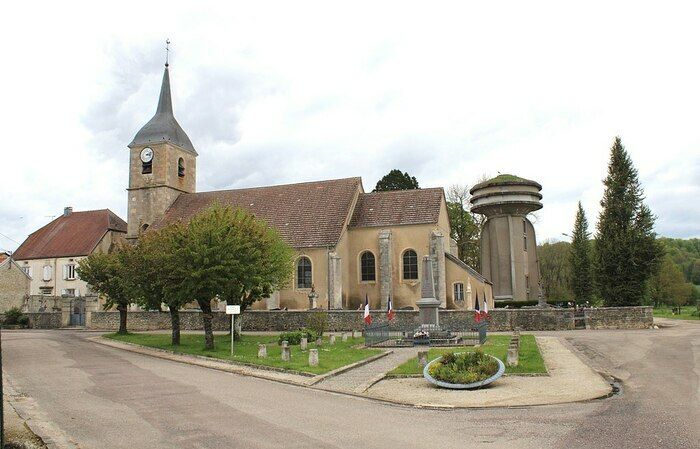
(146, 155)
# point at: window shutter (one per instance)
(63, 292)
(47, 273)
(65, 272)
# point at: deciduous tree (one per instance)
(107, 275)
(465, 226)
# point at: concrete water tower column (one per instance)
(508, 244)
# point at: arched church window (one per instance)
(304, 278)
(181, 167)
(458, 292)
(367, 267)
(410, 264)
(144, 227)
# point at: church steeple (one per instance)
(163, 127)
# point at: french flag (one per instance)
(477, 312)
(368, 317)
(390, 310)
(486, 307)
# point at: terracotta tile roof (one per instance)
(398, 207)
(75, 235)
(310, 214)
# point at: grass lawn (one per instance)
(686, 313)
(530, 360)
(246, 350)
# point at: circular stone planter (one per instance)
(471, 386)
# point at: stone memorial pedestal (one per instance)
(313, 357)
(304, 343)
(286, 353)
(262, 351)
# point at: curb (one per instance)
(342, 369)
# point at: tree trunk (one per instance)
(175, 321)
(237, 329)
(122, 318)
(206, 320)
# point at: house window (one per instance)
(69, 272)
(527, 285)
(68, 292)
(46, 291)
(367, 267)
(27, 270)
(304, 273)
(524, 235)
(47, 272)
(410, 264)
(181, 167)
(459, 292)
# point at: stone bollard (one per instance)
(332, 339)
(304, 343)
(356, 334)
(319, 341)
(262, 351)
(313, 357)
(422, 358)
(286, 353)
(345, 336)
(512, 356)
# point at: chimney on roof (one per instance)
(67, 211)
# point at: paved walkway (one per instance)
(569, 380)
(360, 379)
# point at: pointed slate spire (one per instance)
(163, 127)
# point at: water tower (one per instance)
(508, 245)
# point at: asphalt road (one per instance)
(91, 396)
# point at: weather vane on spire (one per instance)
(167, 51)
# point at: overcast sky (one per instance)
(284, 92)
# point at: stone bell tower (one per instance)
(162, 165)
(508, 246)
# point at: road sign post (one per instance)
(233, 311)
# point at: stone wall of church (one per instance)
(345, 320)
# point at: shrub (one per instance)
(294, 337)
(318, 322)
(23, 320)
(464, 368)
(13, 316)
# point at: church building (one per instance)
(350, 244)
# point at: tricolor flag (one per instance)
(477, 313)
(390, 310)
(368, 317)
(486, 307)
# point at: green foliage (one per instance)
(627, 253)
(465, 226)
(555, 270)
(109, 275)
(686, 254)
(464, 368)
(15, 316)
(294, 337)
(580, 262)
(668, 286)
(230, 254)
(318, 323)
(396, 180)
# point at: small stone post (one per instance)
(422, 358)
(262, 351)
(332, 339)
(319, 341)
(356, 334)
(286, 354)
(345, 336)
(512, 356)
(313, 357)
(304, 343)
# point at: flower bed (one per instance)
(464, 370)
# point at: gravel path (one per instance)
(360, 379)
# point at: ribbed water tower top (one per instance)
(506, 195)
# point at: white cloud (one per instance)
(282, 92)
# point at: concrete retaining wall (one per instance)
(345, 320)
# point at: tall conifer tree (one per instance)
(626, 249)
(581, 280)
